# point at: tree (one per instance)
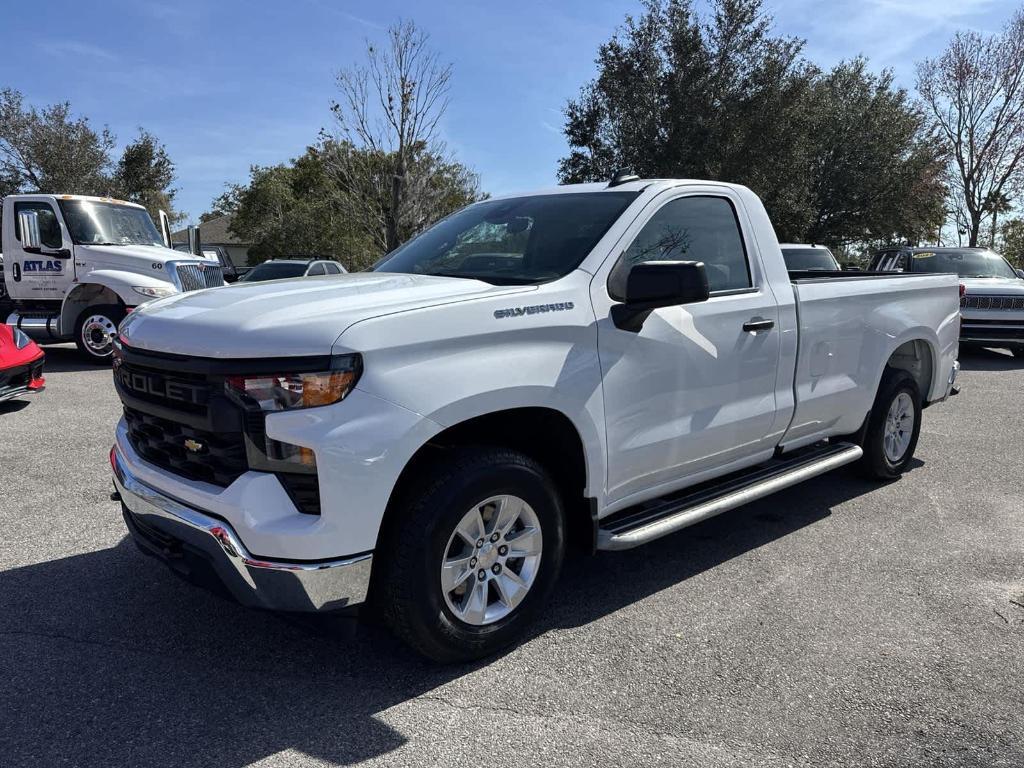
(299, 207)
(875, 172)
(49, 150)
(290, 209)
(996, 203)
(389, 164)
(1012, 241)
(144, 175)
(725, 99)
(975, 93)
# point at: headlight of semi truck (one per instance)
(153, 292)
(288, 391)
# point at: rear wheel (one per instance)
(893, 426)
(95, 331)
(472, 555)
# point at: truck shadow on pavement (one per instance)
(982, 359)
(65, 358)
(109, 660)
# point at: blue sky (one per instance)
(228, 84)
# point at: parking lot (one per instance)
(836, 623)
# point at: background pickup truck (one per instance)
(594, 364)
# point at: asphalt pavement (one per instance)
(837, 623)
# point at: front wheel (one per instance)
(95, 331)
(472, 555)
(893, 426)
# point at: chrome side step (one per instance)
(652, 520)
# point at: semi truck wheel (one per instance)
(893, 426)
(472, 554)
(95, 330)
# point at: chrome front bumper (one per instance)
(193, 543)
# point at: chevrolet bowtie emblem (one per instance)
(193, 445)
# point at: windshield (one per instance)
(275, 270)
(513, 241)
(95, 223)
(966, 263)
(809, 258)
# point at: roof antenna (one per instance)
(622, 176)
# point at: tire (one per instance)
(888, 448)
(94, 322)
(422, 534)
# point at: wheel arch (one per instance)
(916, 356)
(82, 296)
(545, 434)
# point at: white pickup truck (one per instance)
(603, 364)
(74, 266)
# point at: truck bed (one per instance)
(848, 322)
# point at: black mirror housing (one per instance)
(653, 284)
(666, 283)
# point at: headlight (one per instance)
(153, 293)
(288, 391)
(21, 339)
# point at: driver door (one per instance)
(45, 275)
(692, 393)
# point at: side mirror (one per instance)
(1020, 274)
(165, 229)
(28, 224)
(653, 284)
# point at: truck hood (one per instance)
(998, 286)
(148, 260)
(288, 318)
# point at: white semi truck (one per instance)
(75, 266)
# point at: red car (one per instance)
(21, 364)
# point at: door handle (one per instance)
(757, 324)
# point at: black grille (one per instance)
(992, 302)
(186, 392)
(192, 453)
(181, 419)
(986, 332)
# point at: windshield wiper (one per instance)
(493, 279)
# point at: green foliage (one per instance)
(837, 157)
(144, 175)
(289, 209)
(307, 206)
(1011, 241)
(48, 150)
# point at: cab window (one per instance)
(695, 228)
(317, 269)
(49, 226)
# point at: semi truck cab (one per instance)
(75, 266)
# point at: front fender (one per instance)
(120, 282)
(106, 286)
